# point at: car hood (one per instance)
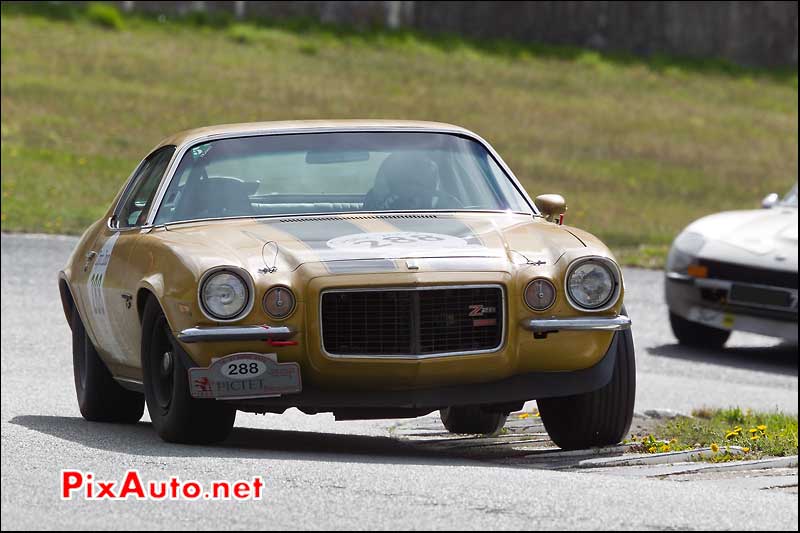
(288, 243)
(764, 238)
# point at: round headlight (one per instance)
(279, 302)
(540, 294)
(224, 295)
(684, 251)
(591, 285)
(689, 242)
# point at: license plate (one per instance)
(710, 317)
(245, 375)
(760, 296)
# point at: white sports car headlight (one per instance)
(224, 295)
(689, 242)
(684, 250)
(592, 284)
(678, 261)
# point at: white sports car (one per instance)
(735, 270)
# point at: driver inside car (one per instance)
(408, 181)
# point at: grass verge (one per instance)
(639, 147)
(758, 434)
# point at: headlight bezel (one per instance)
(243, 276)
(616, 276)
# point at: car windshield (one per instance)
(790, 199)
(293, 174)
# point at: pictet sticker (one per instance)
(245, 375)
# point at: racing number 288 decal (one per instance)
(242, 369)
(101, 325)
(97, 276)
(413, 239)
(392, 240)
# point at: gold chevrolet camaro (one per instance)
(372, 269)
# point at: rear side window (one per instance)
(139, 197)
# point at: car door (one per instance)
(111, 282)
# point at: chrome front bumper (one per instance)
(284, 334)
(553, 325)
(727, 286)
(236, 333)
(684, 298)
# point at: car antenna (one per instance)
(269, 269)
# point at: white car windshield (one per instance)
(337, 172)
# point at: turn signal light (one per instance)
(697, 271)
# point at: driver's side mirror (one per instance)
(770, 200)
(552, 206)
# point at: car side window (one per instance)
(137, 200)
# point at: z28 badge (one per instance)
(481, 310)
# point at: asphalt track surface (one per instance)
(324, 474)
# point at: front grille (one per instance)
(412, 322)
(746, 274)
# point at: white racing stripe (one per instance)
(101, 324)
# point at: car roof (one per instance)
(249, 128)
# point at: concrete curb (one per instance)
(686, 459)
(759, 464)
(558, 453)
(657, 458)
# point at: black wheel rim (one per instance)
(162, 366)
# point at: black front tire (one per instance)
(176, 416)
(697, 335)
(597, 418)
(100, 397)
(472, 420)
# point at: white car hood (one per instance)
(764, 238)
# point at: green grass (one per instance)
(105, 16)
(638, 147)
(760, 434)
